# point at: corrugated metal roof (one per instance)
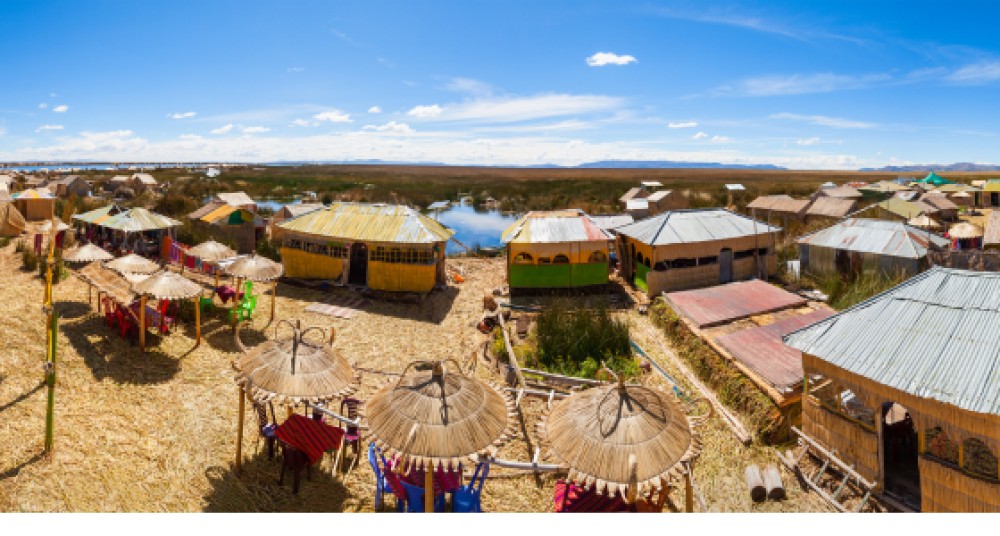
(992, 186)
(439, 205)
(905, 209)
(554, 226)
(223, 212)
(934, 336)
(206, 209)
(235, 199)
(93, 216)
(762, 350)
(609, 222)
(630, 194)
(883, 186)
(939, 201)
(131, 220)
(841, 191)
(297, 209)
(882, 237)
(37, 193)
(659, 195)
(373, 222)
(779, 203)
(725, 303)
(694, 225)
(833, 207)
(637, 204)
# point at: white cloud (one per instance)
(471, 86)
(224, 129)
(182, 115)
(425, 110)
(825, 121)
(254, 130)
(296, 69)
(53, 95)
(721, 139)
(62, 108)
(976, 73)
(699, 136)
(303, 123)
(685, 124)
(808, 141)
(333, 116)
(374, 110)
(190, 137)
(48, 127)
(601, 59)
(43, 105)
(798, 84)
(391, 126)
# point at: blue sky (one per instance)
(812, 85)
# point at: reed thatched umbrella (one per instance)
(209, 251)
(434, 419)
(258, 269)
(924, 221)
(965, 230)
(133, 264)
(291, 371)
(87, 253)
(167, 285)
(621, 438)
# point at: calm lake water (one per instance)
(474, 227)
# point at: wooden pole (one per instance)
(142, 323)
(428, 488)
(197, 319)
(274, 297)
(51, 381)
(689, 490)
(239, 430)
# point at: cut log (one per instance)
(756, 483)
(772, 481)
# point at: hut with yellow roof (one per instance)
(556, 249)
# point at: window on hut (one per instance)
(852, 406)
(979, 459)
(940, 446)
(560, 259)
(523, 258)
(822, 389)
(544, 260)
(598, 256)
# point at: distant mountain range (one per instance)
(668, 164)
(926, 168)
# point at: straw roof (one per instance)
(167, 285)
(255, 268)
(433, 417)
(133, 263)
(965, 230)
(619, 435)
(924, 221)
(211, 251)
(107, 281)
(87, 253)
(293, 370)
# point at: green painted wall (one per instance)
(558, 275)
(640, 277)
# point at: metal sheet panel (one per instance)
(694, 225)
(370, 222)
(762, 350)
(880, 237)
(934, 336)
(558, 226)
(725, 303)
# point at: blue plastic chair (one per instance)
(466, 498)
(415, 499)
(381, 484)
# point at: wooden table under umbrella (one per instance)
(433, 419)
(87, 254)
(259, 270)
(167, 285)
(619, 438)
(291, 371)
(209, 251)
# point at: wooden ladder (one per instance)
(830, 461)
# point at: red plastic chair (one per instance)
(109, 312)
(166, 322)
(352, 435)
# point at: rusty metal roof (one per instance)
(832, 207)
(372, 222)
(694, 225)
(553, 226)
(934, 336)
(762, 350)
(882, 237)
(725, 303)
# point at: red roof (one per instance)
(726, 303)
(763, 352)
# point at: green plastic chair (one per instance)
(206, 304)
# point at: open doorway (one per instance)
(899, 450)
(725, 266)
(359, 264)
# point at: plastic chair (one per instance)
(166, 322)
(466, 499)
(381, 483)
(415, 499)
(352, 435)
(206, 304)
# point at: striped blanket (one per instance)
(311, 437)
(572, 498)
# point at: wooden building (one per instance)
(904, 387)
(683, 249)
(556, 249)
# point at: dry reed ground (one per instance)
(156, 432)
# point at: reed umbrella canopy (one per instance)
(292, 370)
(437, 418)
(87, 253)
(965, 230)
(924, 221)
(211, 251)
(167, 285)
(620, 438)
(133, 264)
(255, 268)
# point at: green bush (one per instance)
(4, 242)
(29, 261)
(58, 269)
(269, 249)
(574, 342)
